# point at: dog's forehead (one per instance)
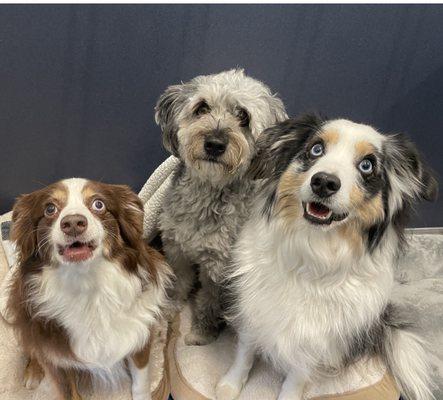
(362, 138)
(75, 189)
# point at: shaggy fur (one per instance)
(88, 289)
(314, 263)
(211, 123)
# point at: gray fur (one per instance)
(207, 202)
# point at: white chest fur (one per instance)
(301, 294)
(103, 309)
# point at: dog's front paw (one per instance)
(197, 339)
(33, 375)
(226, 390)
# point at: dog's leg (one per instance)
(60, 390)
(33, 374)
(183, 270)
(139, 369)
(207, 312)
(230, 386)
(293, 385)
(72, 385)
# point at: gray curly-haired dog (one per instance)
(211, 123)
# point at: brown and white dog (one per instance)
(88, 288)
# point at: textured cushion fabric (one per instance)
(195, 370)
(12, 361)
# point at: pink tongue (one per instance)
(319, 209)
(76, 254)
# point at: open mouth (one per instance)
(77, 251)
(318, 213)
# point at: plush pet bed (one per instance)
(195, 370)
(191, 372)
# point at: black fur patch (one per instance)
(167, 109)
(371, 341)
(279, 145)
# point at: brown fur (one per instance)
(363, 148)
(288, 204)
(369, 211)
(330, 137)
(30, 225)
(237, 151)
(42, 339)
(141, 358)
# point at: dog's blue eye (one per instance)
(317, 150)
(366, 166)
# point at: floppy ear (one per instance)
(407, 172)
(130, 215)
(24, 224)
(277, 146)
(167, 109)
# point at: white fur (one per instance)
(106, 312)
(303, 291)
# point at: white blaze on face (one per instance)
(343, 139)
(74, 249)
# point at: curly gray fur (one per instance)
(208, 200)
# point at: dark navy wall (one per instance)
(78, 83)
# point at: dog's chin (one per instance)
(77, 251)
(214, 170)
(319, 214)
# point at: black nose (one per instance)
(73, 225)
(325, 185)
(215, 145)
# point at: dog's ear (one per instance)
(129, 215)
(278, 110)
(277, 146)
(24, 225)
(407, 172)
(167, 109)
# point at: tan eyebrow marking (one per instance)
(59, 193)
(330, 136)
(363, 148)
(88, 191)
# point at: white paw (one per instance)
(195, 339)
(227, 390)
(141, 396)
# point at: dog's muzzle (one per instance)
(215, 144)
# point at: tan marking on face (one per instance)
(368, 211)
(288, 204)
(192, 134)
(363, 148)
(330, 136)
(88, 192)
(59, 193)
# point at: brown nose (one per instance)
(73, 225)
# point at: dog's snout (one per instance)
(215, 145)
(324, 184)
(74, 224)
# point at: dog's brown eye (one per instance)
(98, 205)
(243, 117)
(50, 210)
(202, 108)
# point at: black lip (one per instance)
(318, 221)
